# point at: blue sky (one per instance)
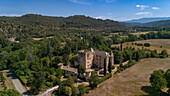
(105, 9)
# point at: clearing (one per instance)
(155, 44)
(8, 81)
(133, 81)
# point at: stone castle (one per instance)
(92, 60)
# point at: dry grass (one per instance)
(8, 81)
(42, 38)
(155, 44)
(139, 33)
(130, 81)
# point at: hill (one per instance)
(147, 20)
(38, 25)
(162, 24)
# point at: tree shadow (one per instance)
(152, 92)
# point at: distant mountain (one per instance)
(146, 20)
(162, 24)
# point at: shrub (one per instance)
(121, 68)
(139, 44)
(87, 89)
(105, 77)
(147, 45)
(113, 67)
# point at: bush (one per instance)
(139, 44)
(113, 67)
(121, 68)
(147, 45)
(162, 56)
(87, 89)
(105, 77)
(49, 84)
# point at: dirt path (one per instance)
(130, 81)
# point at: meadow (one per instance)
(134, 81)
(156, 44)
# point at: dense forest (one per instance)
(32, 25)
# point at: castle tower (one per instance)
(112, 58)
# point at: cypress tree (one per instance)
(104, 66)
(110, 66)
(121, 46)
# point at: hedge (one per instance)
(121, 68)
(105, 78)
(87, 89)
(100, 81)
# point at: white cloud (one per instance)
(99, 17)
(142, 7)
(80, 2)
(155, 8)
(142, 13)
(11, 15)
(104, 17)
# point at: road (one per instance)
(47, 92)
(17, 83)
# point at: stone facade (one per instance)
(93, 59)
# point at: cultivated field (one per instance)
(155, 44)
(133, 81)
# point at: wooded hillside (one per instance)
(38, 26)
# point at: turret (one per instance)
(112, 57)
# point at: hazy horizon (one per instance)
(118, 10)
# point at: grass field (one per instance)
(155, 44)
(8, 81)
(139, 33)
(132, 81)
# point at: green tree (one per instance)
(81, 70)
(81, 89)
(157, 80)
(68, 91)
(56, 61)
(65, 59)
(69, 81)
(59, 73)
(110, 66)
(38, 83)
(105, 69)
(45, 61)
(121, 46)
(10, 92)
(118, 57)
(164, 53)
(74, 91)
(167, 76)
(93, 80)
(138, 55)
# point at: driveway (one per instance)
(47, 92)
(17, 83)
